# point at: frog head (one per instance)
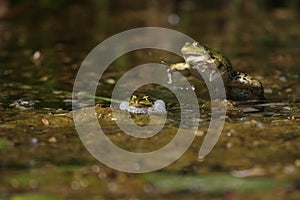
(138, 102)
(198, 55)
(195, 53)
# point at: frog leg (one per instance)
(245, 81)
(174, 67)
(243, 85)
(180, 66)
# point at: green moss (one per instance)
(267, 39)
(34, 196)
(211, 184)
(4, 144)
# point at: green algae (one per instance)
(4, 144)
(35, 196)
(212, 184)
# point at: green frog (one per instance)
(239, 86)
(139, 114)
(142, 102)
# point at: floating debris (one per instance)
(288, 90)
(256, 124)
(36, 55)
(36, 58)
(255, 171)
(110, 81)
(52, 140)
(250, 110)
(283, 79)
(45, 121)
(34, 141)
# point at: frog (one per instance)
(139, 115)
(239, 86)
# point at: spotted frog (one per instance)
(239, 86)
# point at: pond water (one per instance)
(41, 49)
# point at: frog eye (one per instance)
(147, 98)
(133, 97)
(196, 44)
